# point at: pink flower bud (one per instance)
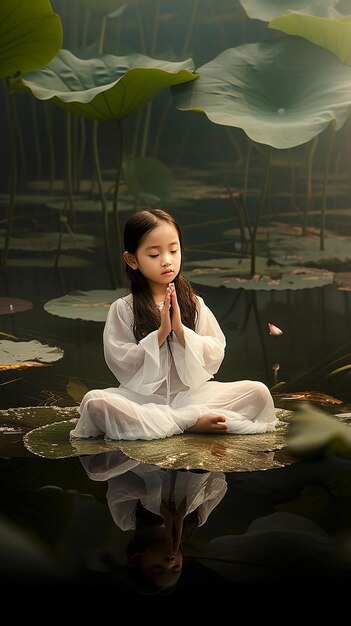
(274, 330)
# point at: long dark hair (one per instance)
(146, 525)
(146, 314)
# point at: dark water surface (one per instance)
(273, 529)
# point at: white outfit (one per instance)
(130, 482)
(164, 390)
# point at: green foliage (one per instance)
(281, 92)
(106, 87)
(30, 35)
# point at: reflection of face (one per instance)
(158, 564)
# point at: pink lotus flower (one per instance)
(274, 330)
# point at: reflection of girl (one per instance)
(164, 345)
(162, 506)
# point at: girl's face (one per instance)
(159, 565)
(158, 256)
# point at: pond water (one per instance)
(67, 522)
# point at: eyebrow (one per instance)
(174, 243)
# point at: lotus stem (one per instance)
(115, 202)
(102, 35)
(69, 181)
(264, 188)
(82, 146)
(36, 138)
(99, 181)
(52, 160)
(13, 176)
(188, 35)
(309, 192)
(325, 182)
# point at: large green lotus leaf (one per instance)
(30, 35)
(145, 176)
(266, 10)
(306, 251)
(243, 453)
(282, 92)
(312, 431)
(234, 273)
(63, 261)
(105, 7)
(332, 34)
(85, 305)
(50, 241)
(9, 306)
(13, 352)
(107, 87)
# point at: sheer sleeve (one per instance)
(107, 465)
(203, 352)
(142, 367)
(215, 491)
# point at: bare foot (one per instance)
(209, 424)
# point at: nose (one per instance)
(170, 558)
(166, 262)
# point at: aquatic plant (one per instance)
(38, 38)
(105, 88)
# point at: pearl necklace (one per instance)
(160, 305)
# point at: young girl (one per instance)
(164, 345)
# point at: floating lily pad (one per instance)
(63, 261)
(306, 250)
(27, 418)
(235, 274)
(14, 423)
(220, 452)
(309, 396)
(21, 354)
(343, 281)
(23, 199)
(14, 305)
(90, 206)
(50, 241)
(85, 305)
(11, 443)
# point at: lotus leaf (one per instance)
(332, 34)
(86, 305)
(50, 241)
(30, 35)
(235, 274)
(18, 352)
(106, 87)
(266, 10)
(212, 453)
(282, 92)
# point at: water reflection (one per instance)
(277, 526)
(161, 506)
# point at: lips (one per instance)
(168, 272)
